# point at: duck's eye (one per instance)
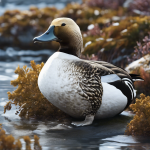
(63, 24)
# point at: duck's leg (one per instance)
(88, 120)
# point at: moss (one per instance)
(140, 125)
(28, 97)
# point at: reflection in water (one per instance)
(102, 134)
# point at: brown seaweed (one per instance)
(28, 97)
(140, 124)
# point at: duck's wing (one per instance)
(113, 75)
(120, 79)
(117, 70)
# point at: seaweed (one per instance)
(16, 25)
(119, 30)
(140, 124)
(31, 102)
(118, 39)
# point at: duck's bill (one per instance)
(47, 36)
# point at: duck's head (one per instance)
(67, 33)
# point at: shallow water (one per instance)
(107, 134)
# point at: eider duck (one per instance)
(82, 88)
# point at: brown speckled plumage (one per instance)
(118, 71)
(90, 83)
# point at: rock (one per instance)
(142, 62)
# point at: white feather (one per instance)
(113, 102)
(110, 78)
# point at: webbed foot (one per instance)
(88, 120)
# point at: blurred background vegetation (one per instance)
(110, 29)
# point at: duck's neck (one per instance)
(67, 50)
(73, 48)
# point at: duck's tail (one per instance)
(136, 77)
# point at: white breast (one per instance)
(113, 102)
(59, 84)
